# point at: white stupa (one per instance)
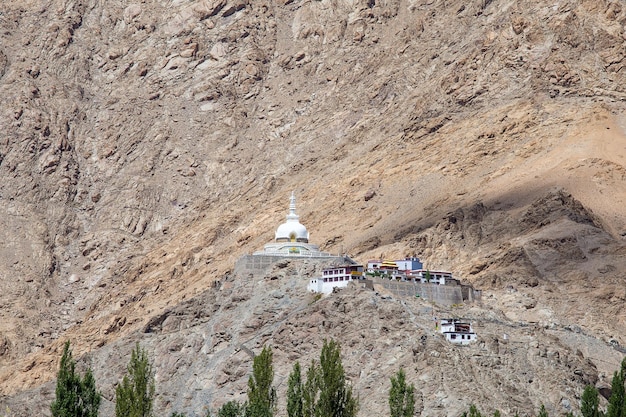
(292, 238)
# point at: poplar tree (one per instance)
(310, 391)
(335, 395)
(75, 397)
(401, 397)
(261, 394)
(135, 394)
(90, 396)
(623, 373)
(589, 402)
(616, 407)
(294, 393)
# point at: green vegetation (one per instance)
(75, 397)
(309, 391)
(617, 406)
(335, 396)
(135, 394)
(401, 398)
(324, 393)
(232, 409)
(261, 394)
(317, 297)
(474, 412)
(589, 402)
(295, 406)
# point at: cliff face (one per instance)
(145, 146)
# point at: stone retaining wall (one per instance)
(441, 294)
(259, 264)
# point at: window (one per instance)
(453, 336)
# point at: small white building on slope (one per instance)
(336, 276)
(457, 331)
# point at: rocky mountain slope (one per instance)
(145, 146)
(202, 350)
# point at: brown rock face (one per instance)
(145, 146)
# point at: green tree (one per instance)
(335, 395)
(401, 398)
(616, 405)
(295, 393)
(589, 402)
(75, 397)
(261, 394)
(473, 411)
(135, 394)
(232, 409)
(326, 392)
(623, 373)
(310, 391)
(542, 411)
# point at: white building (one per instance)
(434, 277)
(292, 238)
(337, 276)
(374, 265)
(409, 264)
(457, 331)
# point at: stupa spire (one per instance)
(292, 208)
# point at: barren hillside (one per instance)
(146, 146)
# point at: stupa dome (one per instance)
(292, 230)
